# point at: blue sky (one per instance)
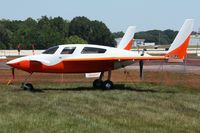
(116, 14)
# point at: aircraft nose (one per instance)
(10, 62)
(16, 62)
(22, 63)
(13, 63)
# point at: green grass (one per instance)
(71, 108)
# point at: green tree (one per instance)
(94, 32)
(2, 46)
(171, 35)
(100, 34)
(58, 24)
(157, 36)
(44, 31)
(5, 36)
(118, 34)
(80, 26)
(51, 31)
(74, 40)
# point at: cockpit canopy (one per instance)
(71, 49)
(51, 50)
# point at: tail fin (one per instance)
(178, 49)
(127, 39)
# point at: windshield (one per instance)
(51, 50)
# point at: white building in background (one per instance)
(135, 41)
(195, 40)
(139, 42)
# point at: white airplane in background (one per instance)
(86, 58)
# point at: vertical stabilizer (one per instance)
(178, 49)
(127, 39)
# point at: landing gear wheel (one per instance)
(27, 86)
(108, 84)
(97, 83)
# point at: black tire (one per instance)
(108, 84)
(98, 83)
(28, 87)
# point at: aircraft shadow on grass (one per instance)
(121, 87)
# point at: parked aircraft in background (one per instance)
(87, 58)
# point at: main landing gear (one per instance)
(27, 86)
(99, 83)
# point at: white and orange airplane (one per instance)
(87, 58)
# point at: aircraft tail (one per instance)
(127, 39)
(178, 49)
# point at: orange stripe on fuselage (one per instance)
(119, 58)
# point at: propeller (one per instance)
(13, 72)
(141, 64)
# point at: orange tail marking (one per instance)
(128, 46)
(181, 51)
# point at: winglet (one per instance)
(127, 39)
(178, 49)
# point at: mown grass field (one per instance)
(135, 107)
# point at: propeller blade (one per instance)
(141, 63)
(13, 73)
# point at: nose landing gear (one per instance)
(27, 86)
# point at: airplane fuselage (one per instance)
(81, 58)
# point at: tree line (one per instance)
(157, 36)
(46, 32)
